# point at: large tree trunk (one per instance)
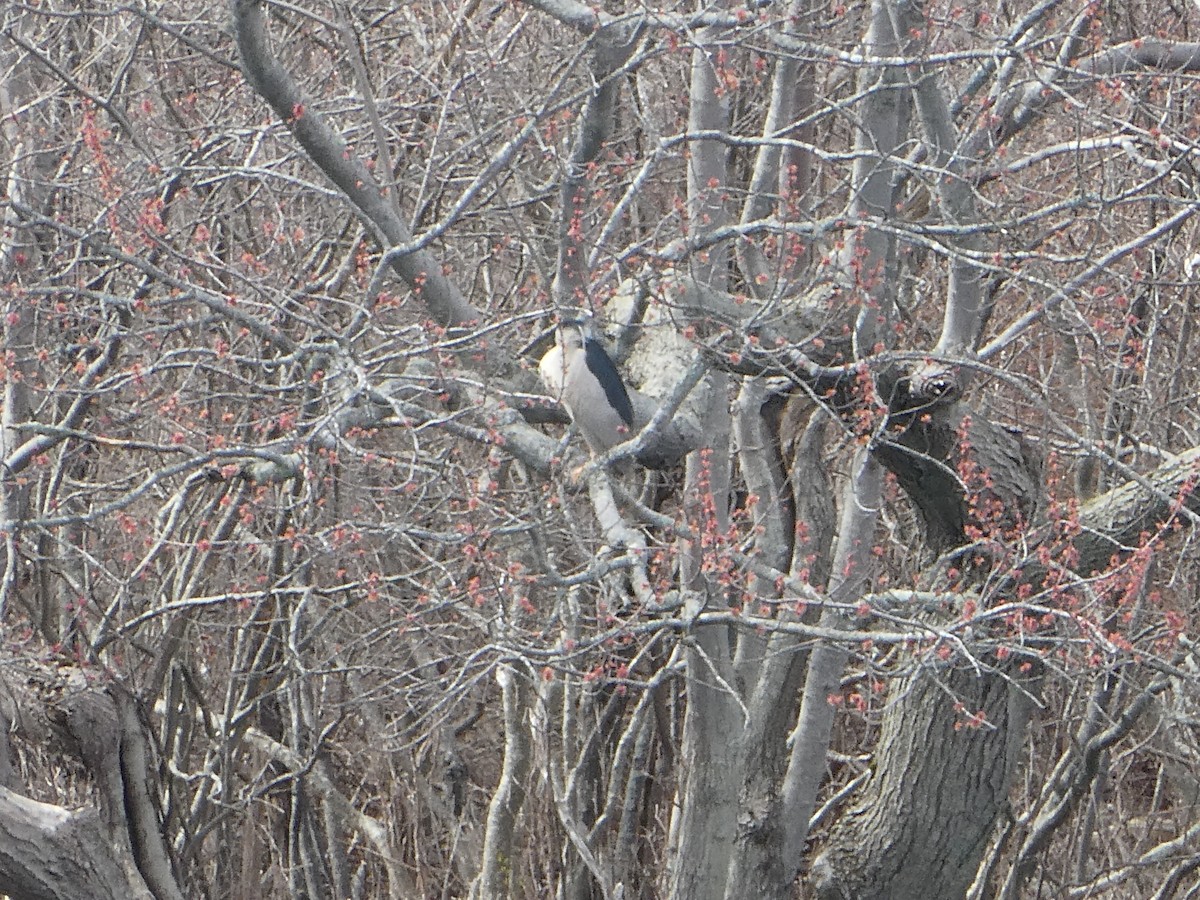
(113, 852)
(48, 853)
(952, 737)
(942, 772)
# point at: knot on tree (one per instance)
(928, 385)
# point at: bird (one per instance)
(581, 374)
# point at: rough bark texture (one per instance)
(939, 454)
(949, 743)
(1115, 520)
(941, 780)
(319, 365)
(9, 716)
(951, 739)
(47, 853)
(114, 851)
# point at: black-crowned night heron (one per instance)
(579, 371)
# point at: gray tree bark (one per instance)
(904, 849)
(497, 875)
(951, 738)
(702, 832)
(872, 256)
(115, 850)
(920, 826)
(48, 853)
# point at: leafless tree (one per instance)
(309, 590)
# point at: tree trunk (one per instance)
(703, 830)
(952, 735)
(940, 781)
(758, 868)
(47, 853)
(951, 739)
(497, 875)
(116, 851)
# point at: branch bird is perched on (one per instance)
(583, 376)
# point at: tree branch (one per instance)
(419, 269)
